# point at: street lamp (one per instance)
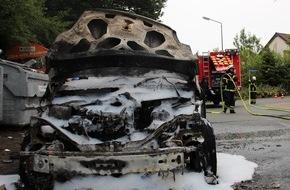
(206, 18)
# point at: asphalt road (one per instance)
(260, 139)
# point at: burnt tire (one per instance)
(32, 180)
(208, 153)
(203, 109)
(204, 158)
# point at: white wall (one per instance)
(278, 45)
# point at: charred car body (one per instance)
(122, 98)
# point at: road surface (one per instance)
(263, 140)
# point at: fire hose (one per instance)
(247, 108)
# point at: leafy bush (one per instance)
(264, 91)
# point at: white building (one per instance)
(279, 43)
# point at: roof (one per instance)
(283, 36)
(31, 50)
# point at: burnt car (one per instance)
(123, 97)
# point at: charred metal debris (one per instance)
(122, 98)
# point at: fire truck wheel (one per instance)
(216, 102)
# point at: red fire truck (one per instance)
(212, 66)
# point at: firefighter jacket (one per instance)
(253, 87)
(229, 80)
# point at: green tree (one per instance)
(249, 46)
(70, 10)
(285, 63)
(248, 42)
(24, 21)
(272, 71)
(42, 20)
(287, 52)
(288, 42)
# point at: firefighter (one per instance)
(229, 80)
(253, 90)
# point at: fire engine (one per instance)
(212, 66)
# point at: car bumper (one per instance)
(107, 163)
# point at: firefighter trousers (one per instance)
(253, 95)
(229, 99)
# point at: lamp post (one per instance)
(206, 18)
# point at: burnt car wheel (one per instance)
(204, 159)
(208, 153)
(32, 180)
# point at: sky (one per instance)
(231, 169)
(261, 18)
